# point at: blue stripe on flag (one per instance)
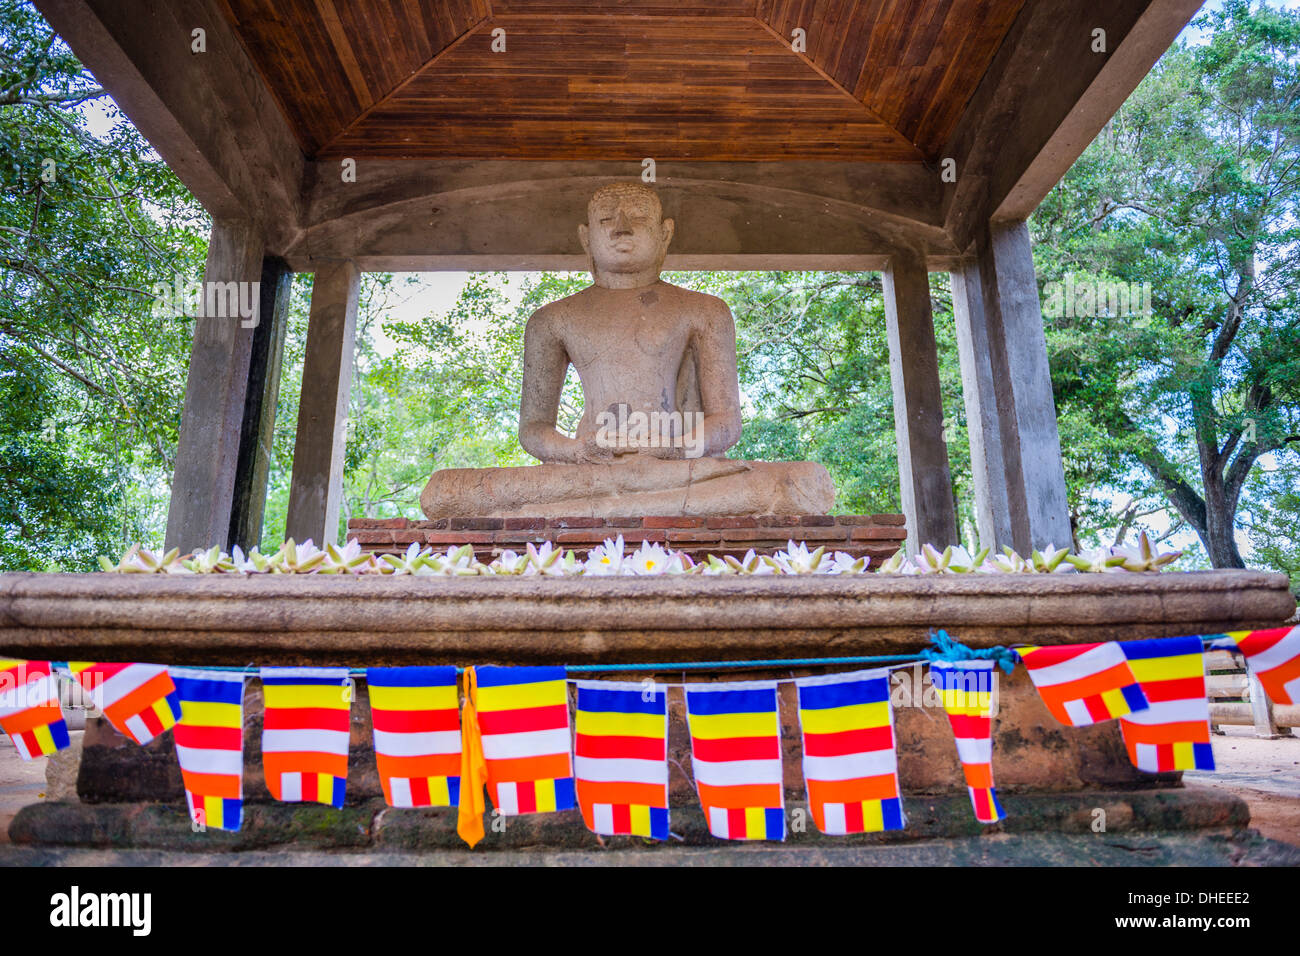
(775, 821)
(659, 823)
(891, 813)
(59, 733)
(595, 700)
(564, 797)
(1161, 647)
(962, 678)
(202, 690)
(870, 690)
(340, 790)
(504, 676)
(411, 676)
(1134, 697)
(453, 791)
(709, 703)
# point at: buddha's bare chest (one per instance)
(645, 339)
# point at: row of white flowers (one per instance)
(609, 559)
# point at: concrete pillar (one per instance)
(212, 423)
(924, 478)
(254, 465)
(317, 484)
(988, 470)
(1022, 383)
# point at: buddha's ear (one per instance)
(583, 238)
(669, 227)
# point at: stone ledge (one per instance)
(372, 824)
(373, 620)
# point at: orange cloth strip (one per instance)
(473, 768)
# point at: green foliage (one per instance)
(92, 380)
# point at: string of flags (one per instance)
(511, 738)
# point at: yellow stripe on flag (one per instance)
(414, 698)
(1168, 668)
(541, 694)
(1115, 703)
(44, 739)
(832, 720)
(873, 817)
(718, 726)
(439, 792)
(544, 791)
(640, 819)
(600, 724)
(306, 695)
(204, 713)
(755, 823)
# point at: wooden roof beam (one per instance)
(209, 115)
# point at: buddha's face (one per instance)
(626, 233)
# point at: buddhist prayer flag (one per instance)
(736, 758)
(1173, 733)
(621, 758)
(305, 733)
(1273, 656)
(523, 718)
(416, 713)
(29, 708)
(966, 689)
(1082, 684)
(139, 700)
(210, 745)
(850, 766)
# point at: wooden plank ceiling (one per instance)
(881, 80)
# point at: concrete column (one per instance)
(317, 484)
(1022, 384)
(988, 470)
(925, 481)
(254, 465)
(212, 423)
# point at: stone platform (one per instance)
(876, 536)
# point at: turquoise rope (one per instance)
(944, 649)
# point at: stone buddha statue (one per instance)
(661, 397)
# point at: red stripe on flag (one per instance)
(209, 738)
(853, 817)
(305, 718)
(1097, 708)
(639, 748)
(736, 824)
(552, 717)
(848, 742)
(309, 781)
(151, 721)
(622, 818)
(415, 721)
(526, 794)
(737, 748)
(1047, 656)
(419, 790)
(1183, 688)
(967, 726)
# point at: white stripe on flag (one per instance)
(123, 682)
(974, 750)
(508, 798)
(872, 763)
(21, 746)
(305, 741)
(139, 731)
(732, 773)
(1148, 758)
(528, 743)
(291, 786)
(34, 693)
(418, 743)
(718, 822)
(1089, 662)
(614, 770)
(204, 760)
(1077, 711)
(833, 817)
(1292, 689)
(602, 818)
(400, 790)
(1278, 654)
(1171, 712)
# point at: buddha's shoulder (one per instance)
(697, 303)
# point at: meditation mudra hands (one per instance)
(645, 350)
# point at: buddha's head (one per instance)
(626, 236)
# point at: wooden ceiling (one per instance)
(881, 80)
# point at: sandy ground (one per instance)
(1265, 773)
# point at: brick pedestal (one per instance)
(876, 536)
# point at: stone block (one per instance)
(672, 521)
(576, 522)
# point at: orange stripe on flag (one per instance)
(636, 794)
(278, 763)
(978, 774)
(747, 795)
(547, 767)
(852, 791)
(1195, 731)
(140, 698)
(29, 719)
(1093, 684)
(436, 765)
(213, 784)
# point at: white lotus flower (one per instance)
(605, 559)
(752, 563)
(511, 562)
(843, 563)
(795, 559)
(654, 559)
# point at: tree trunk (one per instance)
(1218, 536)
